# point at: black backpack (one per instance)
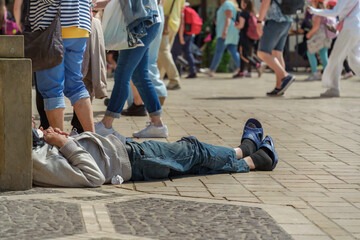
(289, 7)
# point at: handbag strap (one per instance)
(172, 6)
(357, 2)
(27, 24)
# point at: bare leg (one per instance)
(156, 120)
(276, 65)
(56, 118)
(248, 160)
(107, 121)
(280, 57)
(84, 112)
(239, 153)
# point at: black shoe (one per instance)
(192, 75)
(135, 110)
(274, 93)
(238, 75)
(106, 101)
(286, 82)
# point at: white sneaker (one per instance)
(347, 75)
(314, 76)
(152, 132)
(207, 71)
(331, 92)
(102, 130)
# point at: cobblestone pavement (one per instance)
(314, 192)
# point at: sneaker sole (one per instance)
(328, 96)
(275, 95)
(282, 91)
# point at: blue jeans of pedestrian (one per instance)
(134, 64)
(156, 160)
(178, 49)
(313, 61)
(64, 79)
(219, 51)
(154, 72)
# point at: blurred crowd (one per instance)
(170, 38)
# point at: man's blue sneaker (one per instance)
(285, 83)
(253, 130)
(268, 143)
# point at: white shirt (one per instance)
(342, 9)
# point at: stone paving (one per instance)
(314, 192)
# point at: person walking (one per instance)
(134, 64)
(347, 44)
(318, 27)
(183, 39)
(173, 11)
(227, 36)
(135, 104)
(272, 42)
(66, 78)
(247, 44)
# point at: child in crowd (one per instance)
(318, 24)
(7, 23)
(246, 44)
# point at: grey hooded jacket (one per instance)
(86, 160)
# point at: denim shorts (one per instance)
(274, 36)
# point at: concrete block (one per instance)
(15, 124)
(11, 46)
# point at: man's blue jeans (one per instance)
(156, 160)
(134, 64)
(219, 51)
(177, 49)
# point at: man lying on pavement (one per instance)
(91, 160)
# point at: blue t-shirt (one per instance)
(232, 36)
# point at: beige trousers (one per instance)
(165, 60)
(347, 45)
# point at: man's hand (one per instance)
(259, 29)
(55, 137)
(182, 41)
(224, 34)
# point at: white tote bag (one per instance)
(114, 27)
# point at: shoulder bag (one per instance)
(44, 47)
